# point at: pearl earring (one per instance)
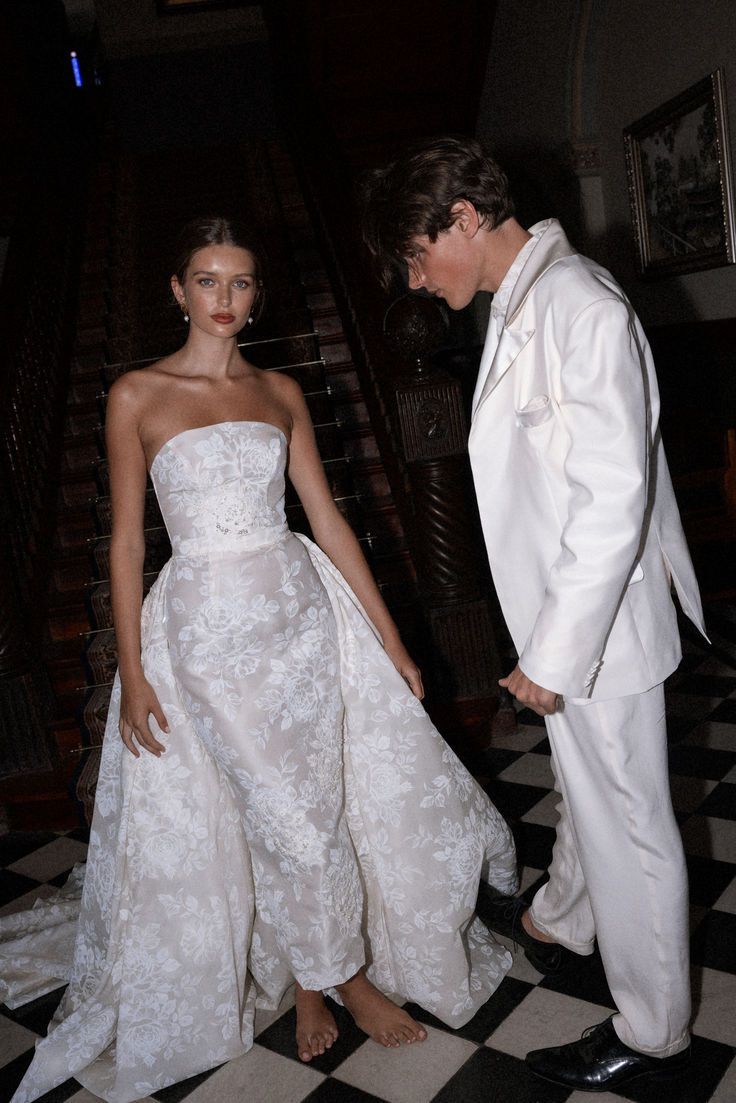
(250, 320)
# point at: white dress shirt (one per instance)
(499, 306)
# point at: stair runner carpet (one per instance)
(125, 321)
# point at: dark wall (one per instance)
(194, 99)
(36, 93)
(564, 80)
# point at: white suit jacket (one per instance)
(576, 502)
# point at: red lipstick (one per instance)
(223, 319)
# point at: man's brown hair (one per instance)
(415, 194)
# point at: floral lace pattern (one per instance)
(305, 818)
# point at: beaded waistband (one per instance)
(225, 546)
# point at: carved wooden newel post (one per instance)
(447, 540)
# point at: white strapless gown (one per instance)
(306, 818)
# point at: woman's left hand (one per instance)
(406, 666)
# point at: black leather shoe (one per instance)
(601, 1062)
(503, 915)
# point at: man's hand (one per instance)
(542, 701)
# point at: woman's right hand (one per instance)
(405, 665)
(137, 703)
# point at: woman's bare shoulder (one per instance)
(141, 384)
(131, 395)
(283, 388)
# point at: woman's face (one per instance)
(219, 289)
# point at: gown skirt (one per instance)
(305, 820)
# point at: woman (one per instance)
(274, 806)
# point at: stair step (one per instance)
(94, 712)
(84, 390)
(329, 327)
(67, 677)
(314, 280)
(371, 482)
(102, 657)
(361, 445)
(85, 362)
(67, 736)
(102, 477)
(382, 522)
(89, 337)
(100, 605)
(342, 379)
(77, 490)
(80, 423)
(89, 435)
(71, 602)
(74, 531)
(352, 413)
(71, 575)
(335, 350)
(91, 309)
(79, 456)
(64, 651)
(41, 801)
(68, 623)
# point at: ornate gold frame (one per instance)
(687, 134)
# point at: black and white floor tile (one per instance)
(484, 1060)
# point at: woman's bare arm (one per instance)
(127, 463)
(336, 538)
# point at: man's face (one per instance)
(447, 267)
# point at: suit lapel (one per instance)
(510, 344)
(551, 247)
(486, 362)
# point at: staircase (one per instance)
(136, 206)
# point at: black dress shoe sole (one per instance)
(614, 1082)
(611, 1085)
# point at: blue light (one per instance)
(75, 69)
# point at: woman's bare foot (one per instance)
(316, 1029)
(376, 1015)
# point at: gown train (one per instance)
(305, 820)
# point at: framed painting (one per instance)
(679, 169)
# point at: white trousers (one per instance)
(618, 868)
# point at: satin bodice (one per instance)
(220, 487)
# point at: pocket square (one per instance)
(536, 412)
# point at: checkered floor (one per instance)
(484, 1060)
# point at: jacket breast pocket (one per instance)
(636, 575)
(537, 412)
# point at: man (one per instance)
(584, 541)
